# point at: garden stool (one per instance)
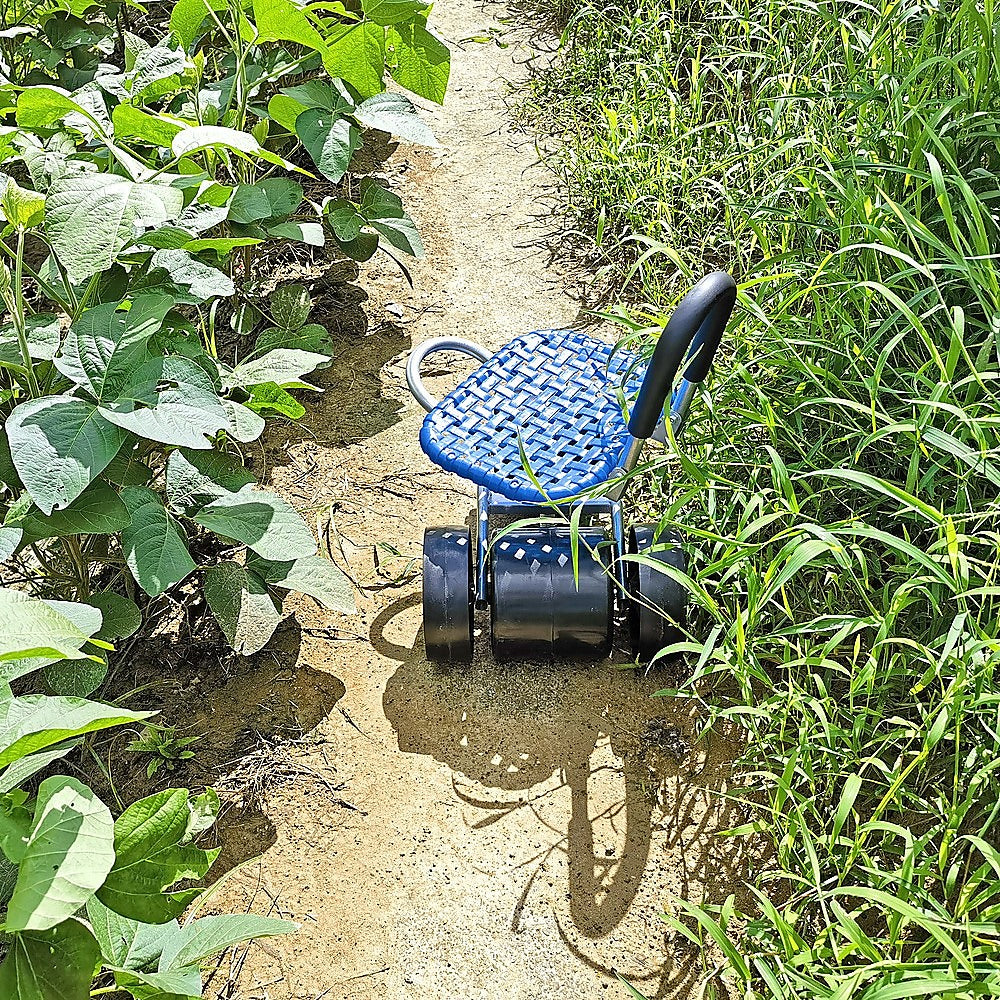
(545, 430)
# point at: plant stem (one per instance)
(17, 310)
(72, 545)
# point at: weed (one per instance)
(841, 483)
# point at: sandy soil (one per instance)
(504, 831)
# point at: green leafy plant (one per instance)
(164, 747)
(118, 439)
(838, 484)
(130, 191)
(81, 891)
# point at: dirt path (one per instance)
(506, 831)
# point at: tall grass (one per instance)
(843, 484)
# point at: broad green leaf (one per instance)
(134, 45)
(242, 605)
(132, 123)
(209, 208)
(56, 964)
(201, 281)
(68, 855)
(219, 137)
(91, 217)
(15, 827)
(107, 344)
(22, 207)
(46, 159)
(280, 366)
(249, 204)
(33, 628)
(207, 936)
(196, 478)
(356, 53)
(125, 943)
(345, 219)
(330, 141)
(310, 233)
(244, 425)
(170, 400)
(88, 620)
(154, 545)
(75, 678)
(10, 541)
(198, 137)
(84, 616)
(394, 113)
(400, 233)
(17, 510)
(334, 95)
(223, 245)
(120, 617)
(312, 575)
(153, 69)
(378, 202)
(43, 333)
(150, 857)
(262, 520)
(59, 445)
(17, 773)
(125, 469)
(311, 337)
(180, 984)
(30, 723)
(270, 397)
(270, 198)
(361, 248)
(167, 238)
(284, 110)
(187, 17)
(423, 62)
(97, 511)
(289, 306)
(38, 107)
(282, 20)
(285, 107)
(394, 11)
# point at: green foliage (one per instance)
(143, 182)
(71, 857)
(841, 485)
(139, 175)
(164, 747)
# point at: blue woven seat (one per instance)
(557, 394)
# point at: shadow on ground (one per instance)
(250, 715)
(511, 728)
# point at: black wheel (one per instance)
(537, 607)
(448, 594)
(657, 604)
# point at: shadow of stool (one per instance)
(512, 727)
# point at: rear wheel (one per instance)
(539, 607)
(657, 604)
(448, 594)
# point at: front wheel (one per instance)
(448, 594)
(657, 604)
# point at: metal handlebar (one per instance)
(413, 379)
(691, 337)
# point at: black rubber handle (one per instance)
(691, 336)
